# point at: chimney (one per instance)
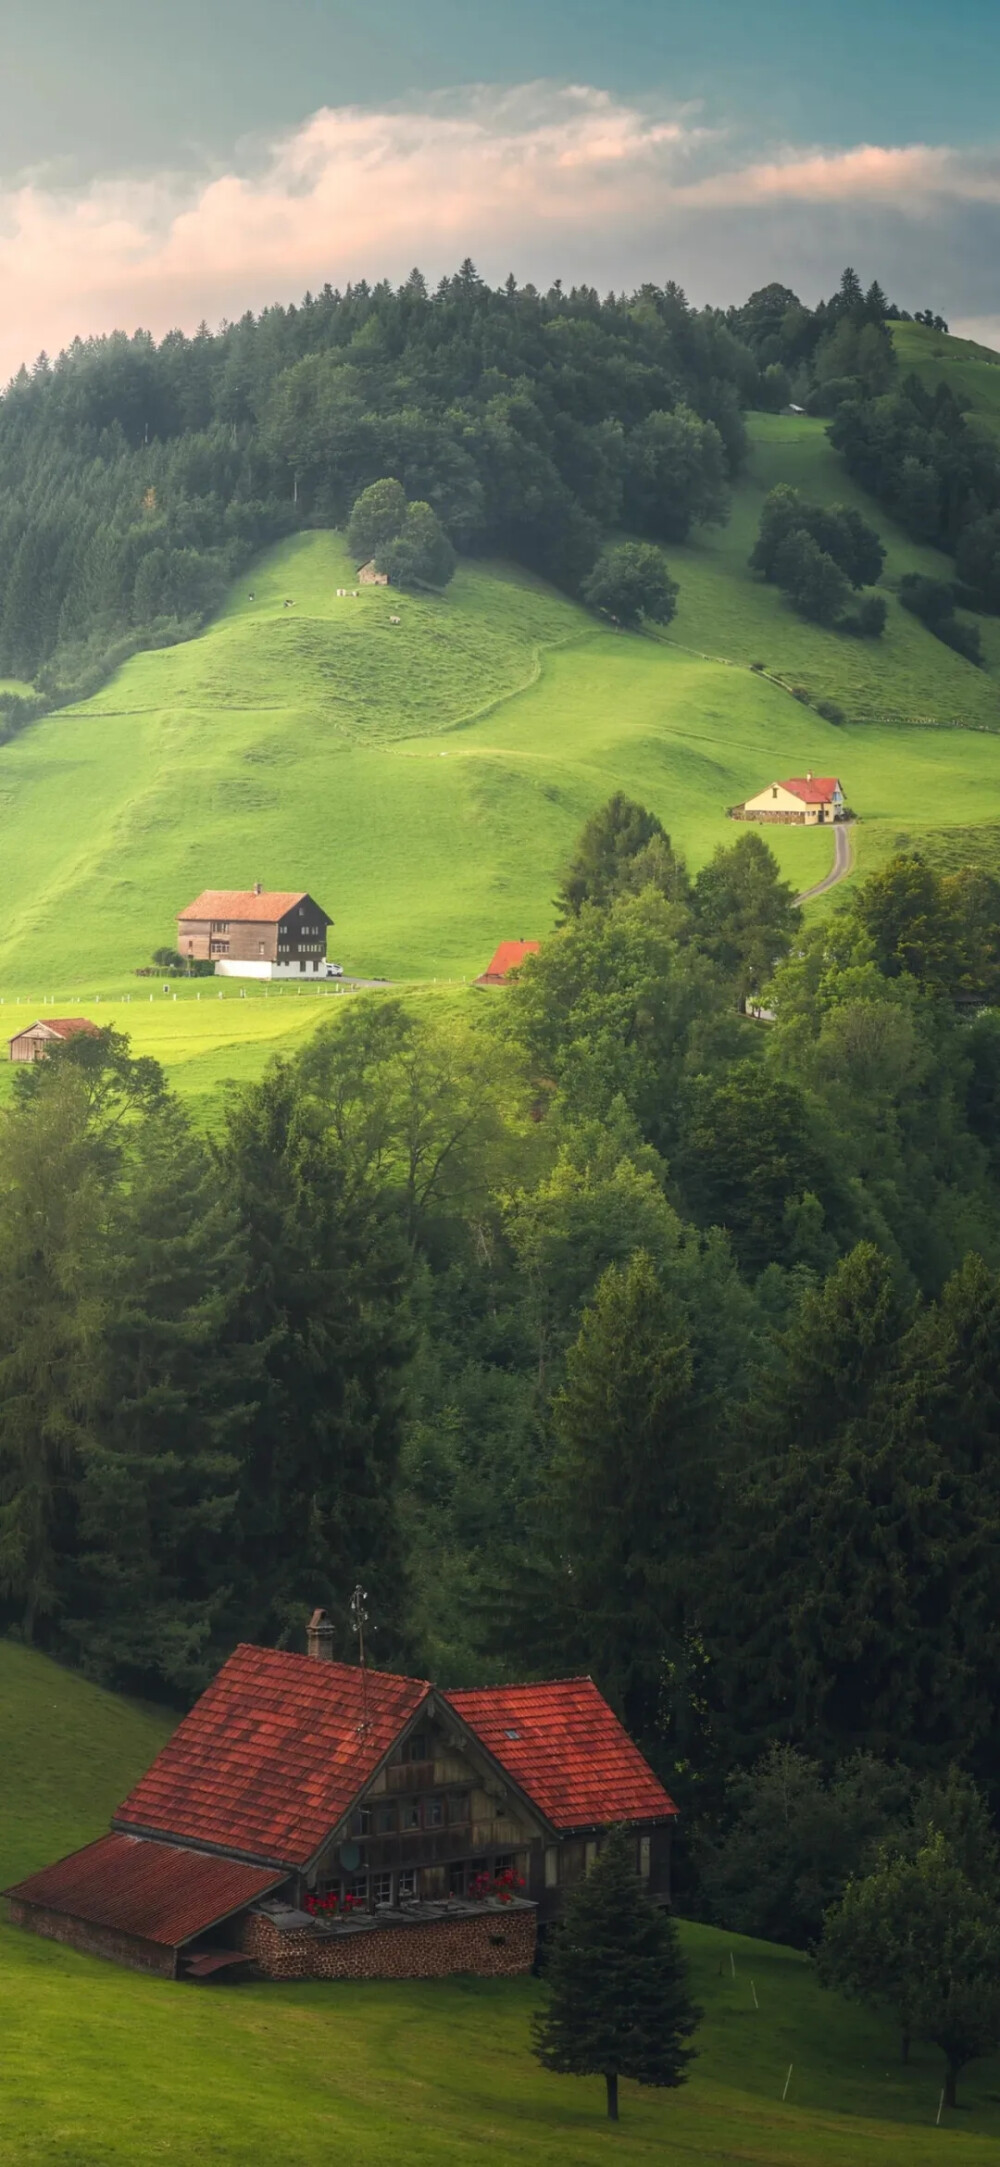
(809, 774)
(258, 887)
(319, 1637)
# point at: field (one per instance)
(972, 371)
(102, 2066)
(426, 780)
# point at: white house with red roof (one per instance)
(312, 1819)
(810, 800)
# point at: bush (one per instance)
(830, 711)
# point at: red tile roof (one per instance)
(507, 958)
(155, 1890)
(812, 789)
(566, 1750)
(273, 1755)
(242, 907)
(62, 1027)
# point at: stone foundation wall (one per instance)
(94, 1940)
(498, 1944)
(795, 820)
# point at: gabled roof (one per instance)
(243, 907)
(507, 958)
(155, 1890)
(567, 1751)
(812, 789)
(272, 1755)
(61, 1027)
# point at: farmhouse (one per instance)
(807, 799)
(254, 933)
(370, 576)
(313, 1819)
(509, 956)
(34, 1043)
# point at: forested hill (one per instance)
(136, 478)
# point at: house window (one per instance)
(774, 792)
(458, 1808)
(260, 948)
(505, 1862)
(406, 1883)
(386, 1820)
(382, 1890)
(220, 925)
(220, 948)
(362, 1822)
(433, 1812)
(359, 1887)
(415, 1748)
(411, 1813)
(457, 1878)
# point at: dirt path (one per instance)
(843, 861)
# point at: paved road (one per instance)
(843, 860)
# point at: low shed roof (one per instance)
(157, 1891)
(60, 1027)
(508, 957)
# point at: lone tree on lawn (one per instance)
(619, 2004)
(630, 583)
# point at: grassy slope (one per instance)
(426, 780)
(102, 2066)
(972, 371)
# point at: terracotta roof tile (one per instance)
(507, 958)
(565, 1748)
(272, 1755)
(812, 789)
(242, 907)
(155, 1890)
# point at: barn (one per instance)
(37, 1041)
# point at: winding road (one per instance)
(843, 860)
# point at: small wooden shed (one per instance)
(34, 1043)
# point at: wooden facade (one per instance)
(37, 1041)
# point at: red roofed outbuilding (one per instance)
(38, 1039)
(330, 1822)
(509, 957)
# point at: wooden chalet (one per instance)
(508, 957)
(311, 1819)
(255, 931)
(34, 1043)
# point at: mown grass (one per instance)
(426, 780)
(100, 2067)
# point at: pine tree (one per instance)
(619, 2004)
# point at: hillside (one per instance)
(106, 2067)
(973, 371)
(426, 780)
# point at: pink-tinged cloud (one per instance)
(519, 179)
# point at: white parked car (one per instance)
(333, 970)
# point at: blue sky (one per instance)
(162, 161)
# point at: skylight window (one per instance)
(512, 1734)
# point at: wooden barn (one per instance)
(312, 1819)
(34, 1043)
(255, 932)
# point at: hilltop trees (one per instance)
(406, 540)
(618, 2002)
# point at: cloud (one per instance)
(543, 179)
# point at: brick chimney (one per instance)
(258, 887)
(319, 1637)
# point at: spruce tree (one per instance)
(619, 2004)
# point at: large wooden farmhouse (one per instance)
(808, 800)
(251, 933)
(315, 1820)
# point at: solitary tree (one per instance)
(377, 515)
(619, 2004)
(622, 848)
(630, 582)
(916, 1937)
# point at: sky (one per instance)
(165, 161)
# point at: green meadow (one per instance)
(425, 779)
(100, 2067)
(973, 371)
